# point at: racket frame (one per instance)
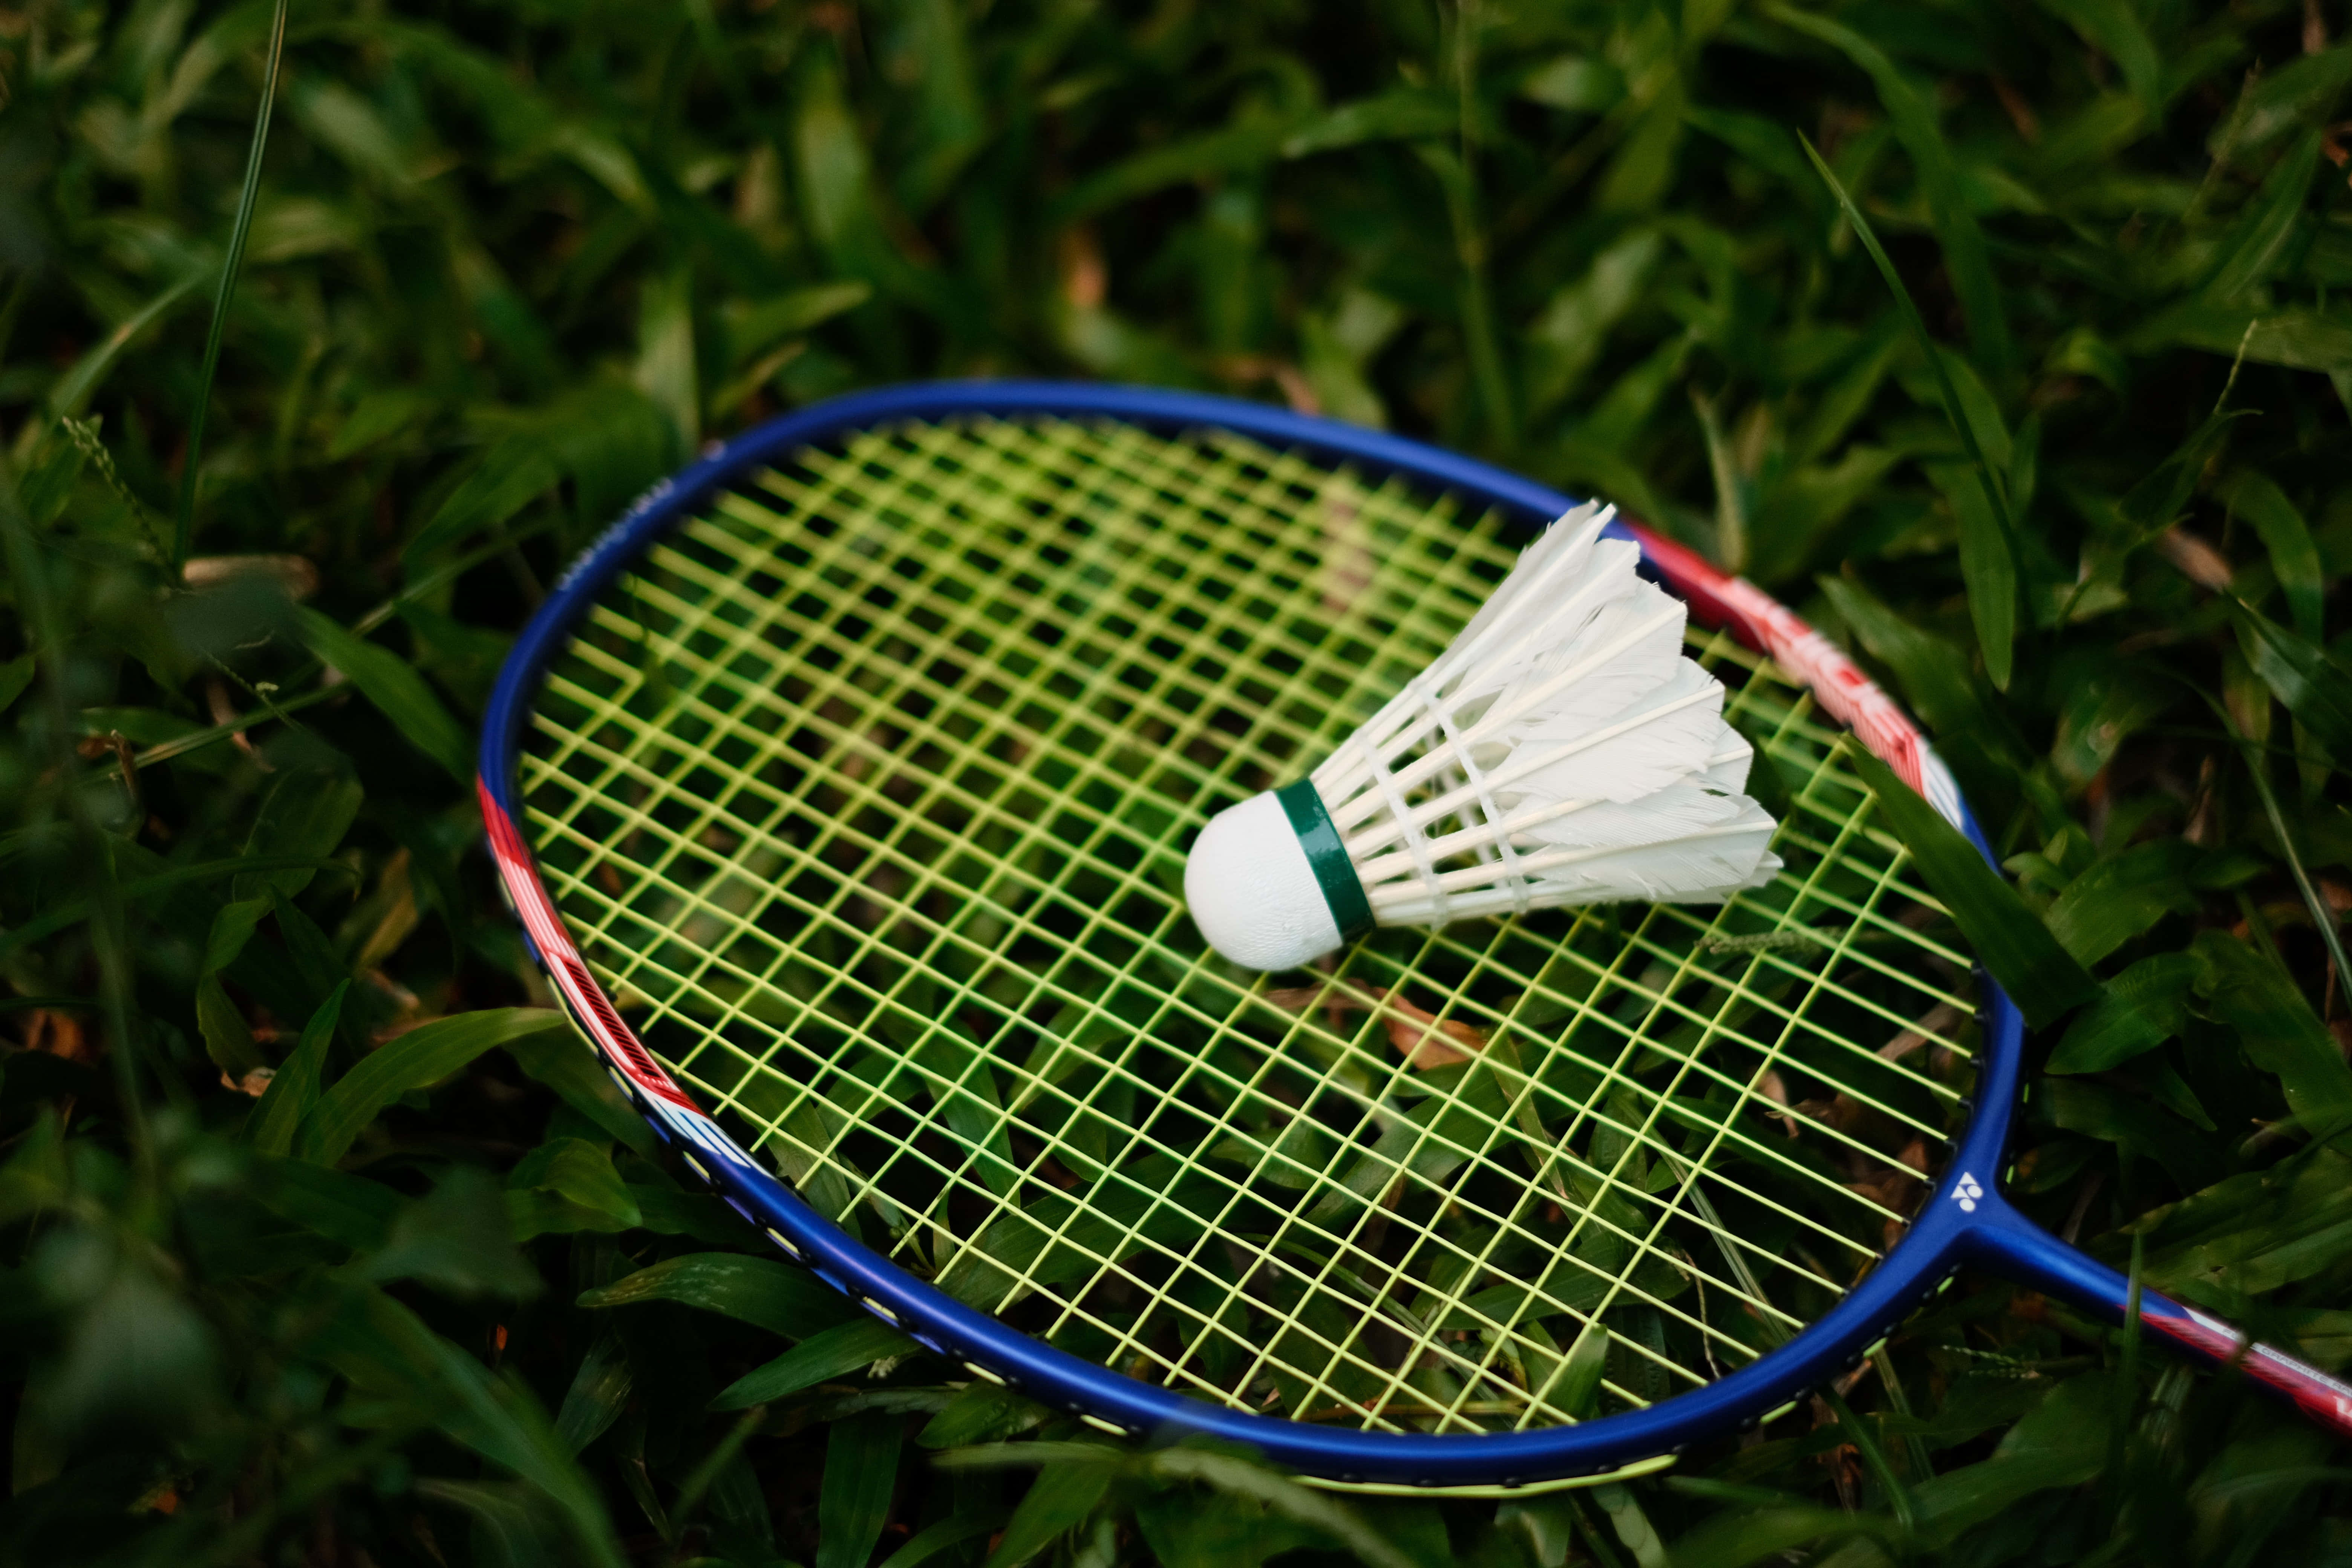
(1964, 1221)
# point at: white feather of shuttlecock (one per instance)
(1562, 750)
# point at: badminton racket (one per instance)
(843, 790)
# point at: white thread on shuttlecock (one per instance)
(1561, 750)
(1417, 844)
(1467, 764)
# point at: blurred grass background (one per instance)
(322, 1245)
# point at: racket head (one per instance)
(1628, 1439)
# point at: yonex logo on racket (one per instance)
(1966, 1192)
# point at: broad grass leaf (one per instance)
(2252, 1233)
(829, 1353)
(2103, 701)
(836, 178)
(956, 1077)
(1633, 1524)
(515, 472)
(1402, 113)
(2062, 1442)
(853, 1504)
(231, 929)
(2286, 537)
(2315, 685)
(2301, 92)
(1186, 1529)
(347, 125)
(303, 817)
(666, 1211)
(946, 1535)
(756, 1290)
(2155, 503)
(294, 1089)
(2139, 1009)
(2141, 1130)
(399, 693)
(568, 1184)
(600, 1391)
(383, 411)
(664, 370)
(949, 122)
(1062, 1497)
(2008, 937)
(2259, 239)
(1800, 512)
(386, 1350)
(1842, 403)
(2277, 1028)
(416, 1060)
(983, 1413)
(754, 327)
(136, 1353)
(1387, 1538)
(1578, 1388)
(2297, 338)
(227, 1039)
(2121, 897)
(1576, 84)
(1736, 1538)
(70, 393)
(1987, 566)
(1059, 1237)
(1642, 171)
(457, 1239)
(1228, 149)
(1570, 333)
(1982, 409)
(343, 1207)
(565, 1063)
(319, 968)
(512, 1527)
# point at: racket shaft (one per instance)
(2007, 1243)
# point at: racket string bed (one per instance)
(785, 1058)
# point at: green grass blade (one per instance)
(398, 692)
(1992, 585)
(422, 1057)
(1912, 115)
(861, 1470)
(760, 1291)
(184, 522)
(2286, 537)
(295, 1088)
(2009, 939)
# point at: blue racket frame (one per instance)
(1965, 1221)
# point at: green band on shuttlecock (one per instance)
(1334, 872)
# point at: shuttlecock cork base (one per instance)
(1561, 751)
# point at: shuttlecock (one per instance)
(1560, 751)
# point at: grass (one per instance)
(321, 1247)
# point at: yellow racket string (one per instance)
(868, 793)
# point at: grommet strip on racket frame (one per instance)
(1964, 1222)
